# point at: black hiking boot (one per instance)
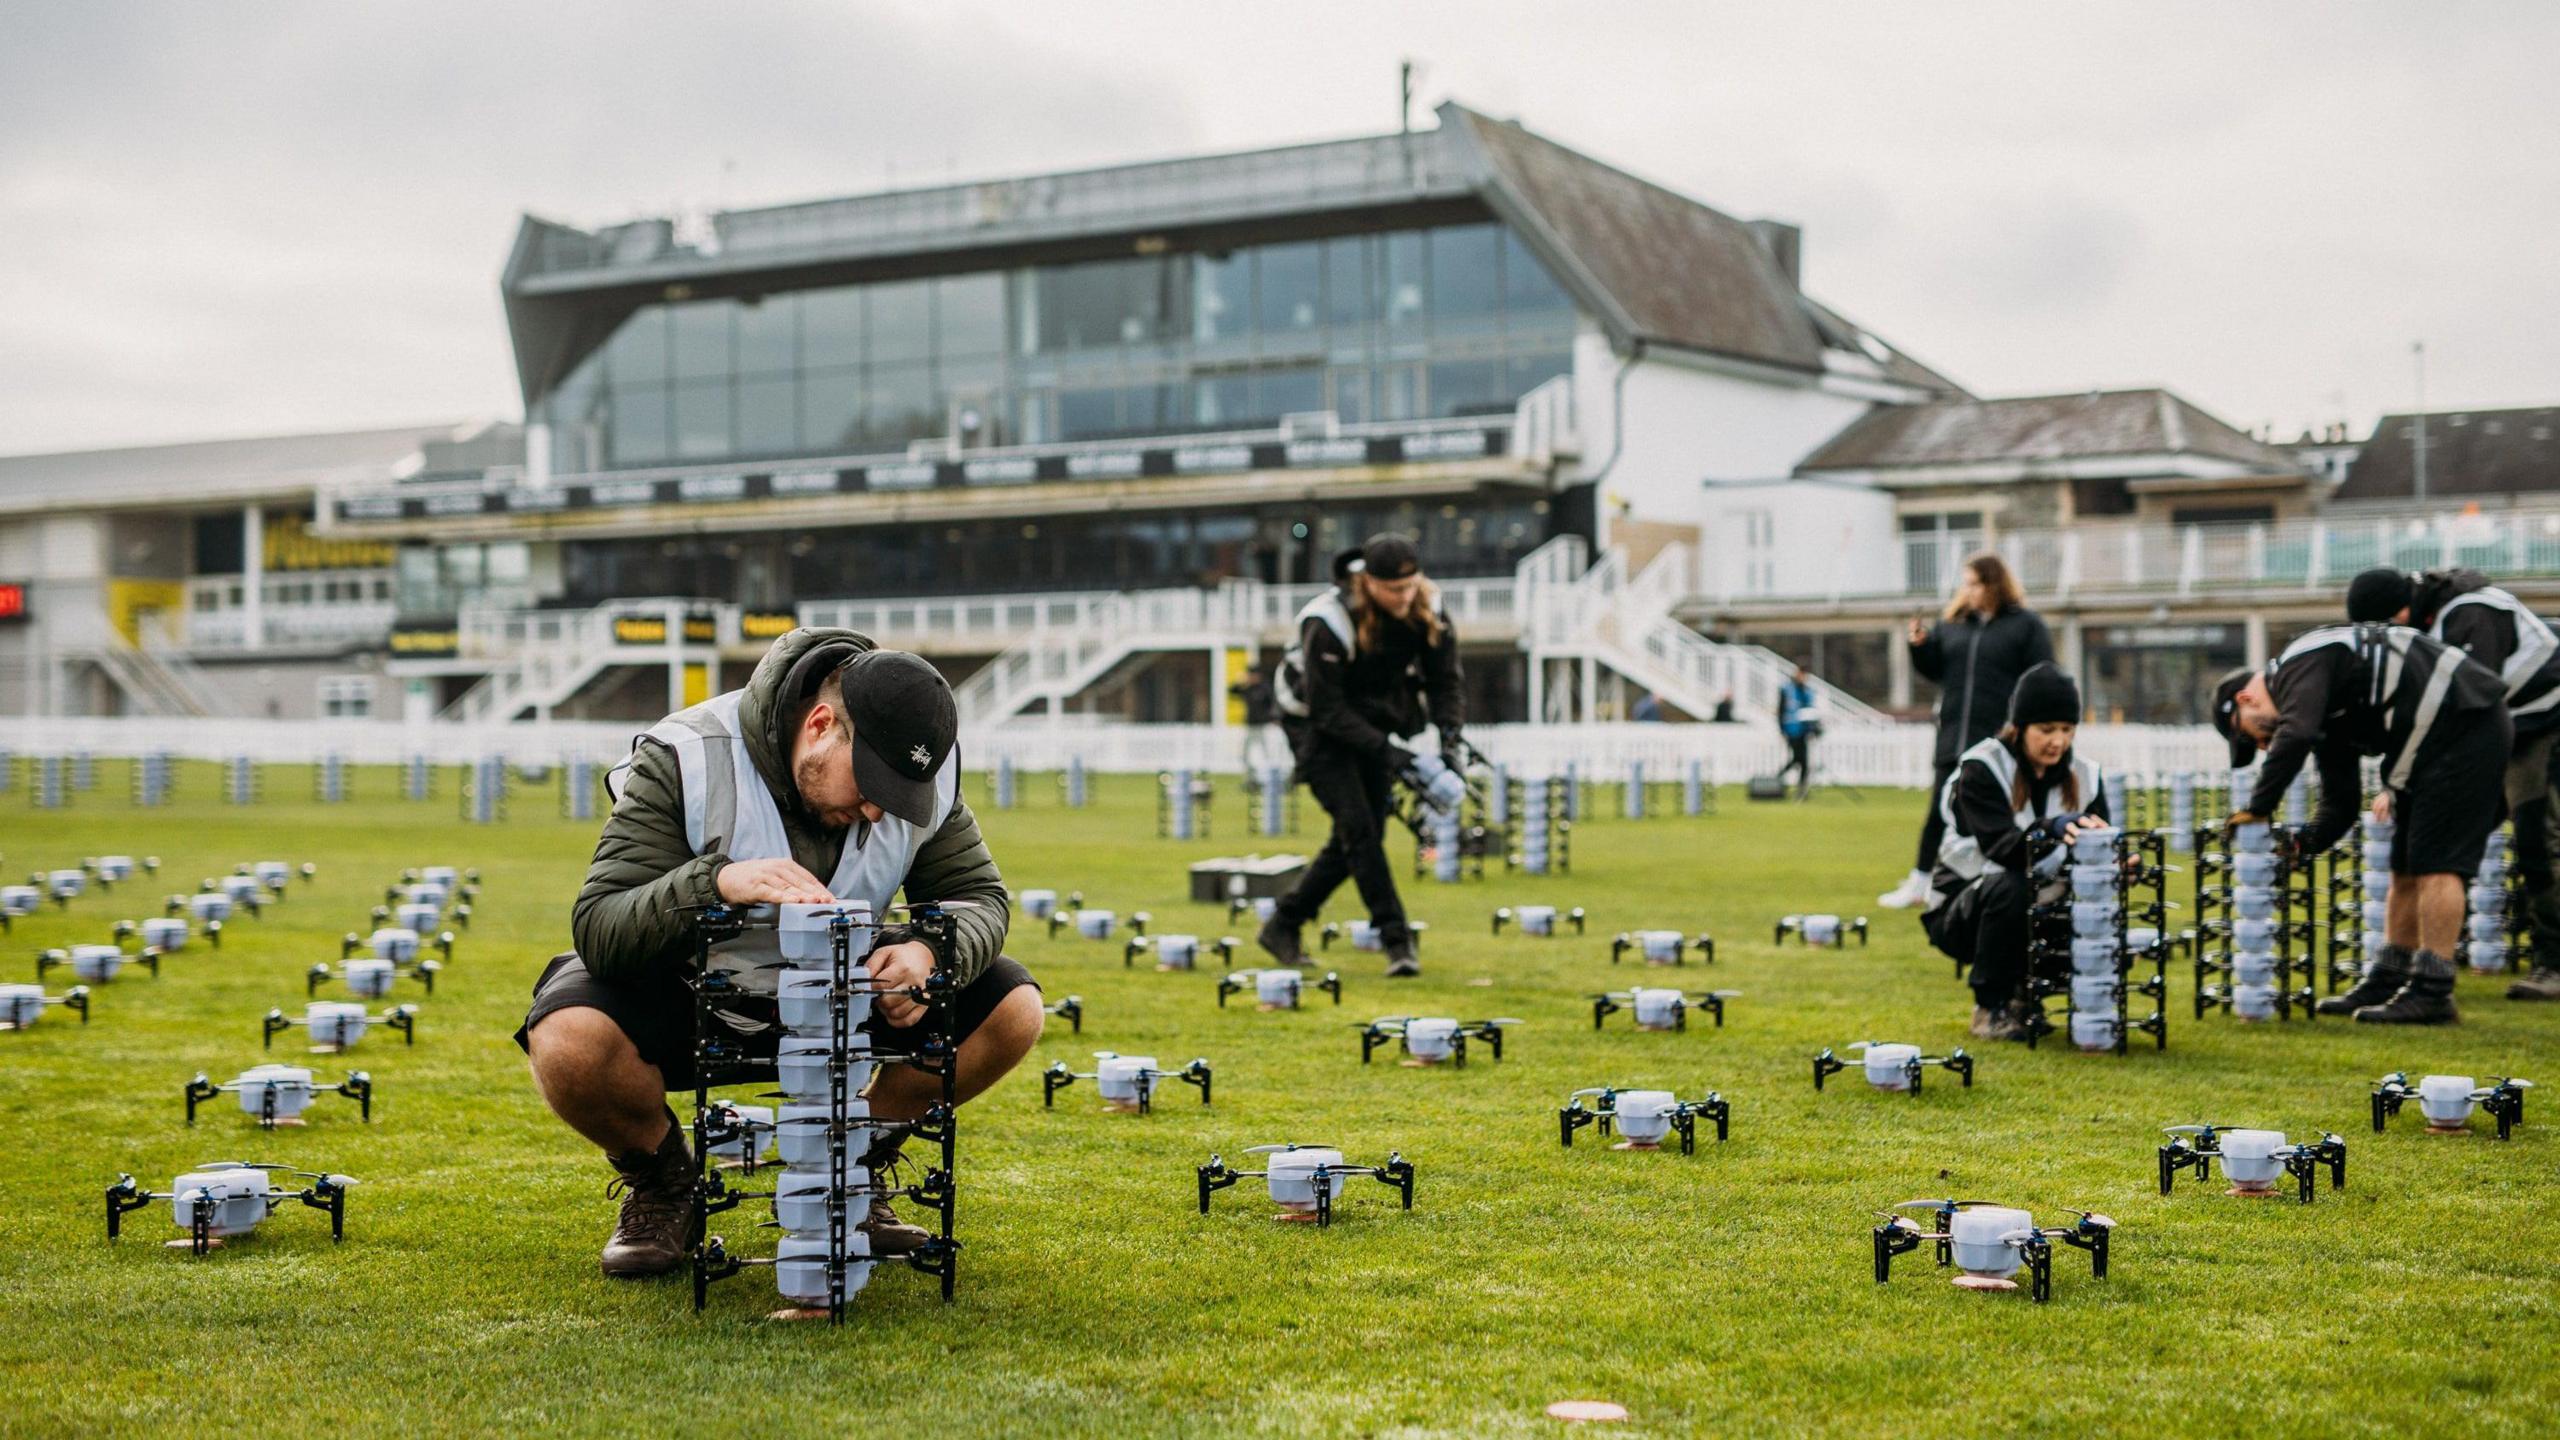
(2384, 974)
(2426, 1000)
(1280, 938)
(1401, 961)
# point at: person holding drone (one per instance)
(2439, 721)
(2461, 608)
(1375, 659)
(836, 760)
(2022, 782)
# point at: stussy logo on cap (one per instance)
(920, 755)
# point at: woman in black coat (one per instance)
(1976, 652)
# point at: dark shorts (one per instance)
(658, 1015)
(2455, 795)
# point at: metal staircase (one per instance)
(544, 657)
(1588, 626)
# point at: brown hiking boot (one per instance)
(890, 1235)
(656, 1229)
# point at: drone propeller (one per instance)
(1503, 1020)
(2191, 1129)
(2092, 1217)
(1282, 1149)
(1925, 1204)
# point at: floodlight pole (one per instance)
(2418, 353)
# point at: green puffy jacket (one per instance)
(630, 920)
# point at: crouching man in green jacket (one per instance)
(835, 761)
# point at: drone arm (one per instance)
(1826, 1064)
(1715, 1107)
(122, 1196)
(1602, 1007)
(274, 1024)
(1331, 984)
(358, 1087)
(1571, 1118)
(1398, 1171)
(199, 1089)
(1052, 1080)
(1197, 1074)
(326, 1194)
(1962, 1064)
(1215, 1176)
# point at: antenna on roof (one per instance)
(2418, 350)
(1404, 97)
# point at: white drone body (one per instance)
(1823, 932)
(21, 1006)
(1365, 935)
(66, 884)
(1276, 987)
(340, 1025)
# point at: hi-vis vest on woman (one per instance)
(1289, 682)
(1962, 853)
(728, 808)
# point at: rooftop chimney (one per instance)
(1785, 244)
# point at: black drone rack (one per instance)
(2293, 924)
(719, 1060)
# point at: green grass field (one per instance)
(1727, 1293)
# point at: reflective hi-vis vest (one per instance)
(1289, 682)
(728, 808)
(1962, 853)
(2532, 680)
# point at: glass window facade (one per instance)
(1451, 320)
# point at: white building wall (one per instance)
(1687, 421)
(1796, 538)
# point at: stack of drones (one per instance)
(825, 1130)
(2116, 877)
(2246, 928)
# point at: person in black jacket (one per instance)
(1976, 652)
(2007, 789)
(2462, 609)
(1255, 691)
(2439, 722)
(1376, 658)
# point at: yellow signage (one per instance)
(426, 643)
(754, 626)
(639, 630)
(291, 546)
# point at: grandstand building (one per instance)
(1089, 439)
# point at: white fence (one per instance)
(1882, 756)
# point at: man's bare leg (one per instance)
(903, 1092)
(593, 1078)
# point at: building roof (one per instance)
(2469, 452)
(1650, 264)
(204, 472)
(2095, 425)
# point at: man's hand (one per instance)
(2243, 817)
(897, 969)
(770, 882)
(2382, 806)
(1918, 631)
(2083, 825)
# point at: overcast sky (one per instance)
(226, 219)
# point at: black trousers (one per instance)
(1933, 831)
(1986, 924)
(1353, 789)
(1800, 760)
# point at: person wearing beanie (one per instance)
(2461, 608)
(2021, 783)
(2439, 723)
(1376, 660)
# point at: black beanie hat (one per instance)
(2045, 696)
(2226, 706)
(2379, 594)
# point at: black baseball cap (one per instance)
(2379, 594)
(904, 725)
(1389, 557)
(2226, 717)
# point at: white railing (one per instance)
(297, 609)
(2307, 554)
(1897, 755)
(542, 656)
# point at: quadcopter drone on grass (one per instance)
(1644, 1117)
(276, 1095)
(94, 964)
(337, 1025)
(1364, 935)
(398, 944)
(1096, 924)
(1072, 1009)
(369, 978)
(1989, 1243)
(1821, 932)
(1176, 952)
(22, 1006)
(1892, 1066)
(1305, 1180)
(1538, 920)
(160, 934)
(1127, 1082)
(1276, 988)
(224, 1199)
(2252, 1159)
(1663, 947)
(2447, 1100)
(1657, 1008)
(1431, 1040)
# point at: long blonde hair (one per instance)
(1366, 618)
(1997, 582)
